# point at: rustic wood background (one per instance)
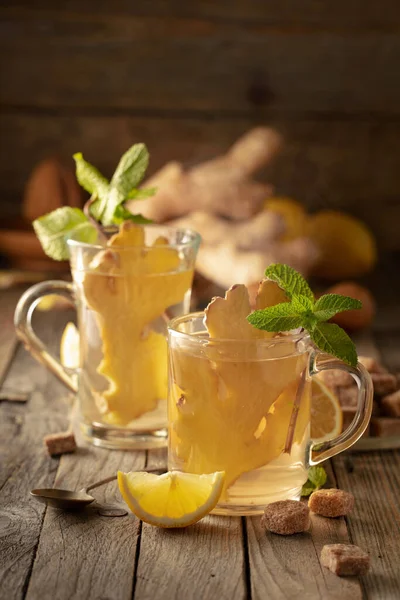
(189, 77)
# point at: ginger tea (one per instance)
(242, 411)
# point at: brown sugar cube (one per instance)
(345, 559)
(385, 426)
(286, 517)
(347, 396)
(60, 443)
(334, 378)
(390, 405)
(372, 365)
(384, 383)
(331, 502)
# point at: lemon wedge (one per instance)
(173, 499)
(326, 413)
(69, 347)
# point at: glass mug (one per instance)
(244, 407)
(124, 296)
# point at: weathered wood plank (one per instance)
(289, 567)
(85, 555)
(8, 339)
(147, 62)
(24, 464)
(374, 523)
(333, 164)
(330, 13)
(80, 555)
(204, 561)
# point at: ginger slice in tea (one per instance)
(207, 435)
(222, 420)
(225, 318)
(246, 370)
(129, 287)
(269, 293)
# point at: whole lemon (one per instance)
(293, 214)
(348, 247)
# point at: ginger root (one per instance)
(238, 252)
(222, 186)
(220, 199)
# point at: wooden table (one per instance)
(46, 553)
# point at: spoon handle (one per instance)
(99, 483)
(114, 477)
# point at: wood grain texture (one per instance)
(84, 555)
(204, 561)
(8, 339)
(374, 524)
(286, 567)
(24, 464)
(81, 555)
(330, 13)
(169, 63)
(334, 164)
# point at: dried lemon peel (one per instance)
(130, 287)
(233, 415)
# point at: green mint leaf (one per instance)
(130, 170)
(302, 303)
(93, 182)
(128, 174)
(317, 476)
(141, 194)
(289, 280)
(121, 214)
(281, 317)
(316, 479)
(329, 305)
(52, 229)
(332, 339)
(307, 489)
(115, 199)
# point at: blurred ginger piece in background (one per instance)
(220, 199)
(222, 186)
(244, 229)
(238, 252)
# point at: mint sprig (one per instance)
(304, 311)
(289, 280)
(106, 206)
(316, 479)
(53, 229)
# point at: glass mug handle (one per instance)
(321, 451)
(23, 325)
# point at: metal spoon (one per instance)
(68, 500)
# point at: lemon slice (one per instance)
(326, 413)
(69, 347)
(173, 499)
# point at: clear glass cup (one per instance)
(244, 407)
(124, 298)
